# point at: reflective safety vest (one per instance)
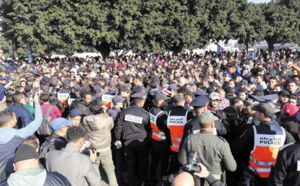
(157, 134)
(265, 150)
(176, 125)
(107, 100)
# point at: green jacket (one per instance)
(214, 152)
(30, 109)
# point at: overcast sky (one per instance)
(259, 1)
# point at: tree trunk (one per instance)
(104, 49)
(271, 43)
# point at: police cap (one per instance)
(269, 98)
(199, 101)
(160, 96)
(139, 95)
(264, 108)
(200, 93)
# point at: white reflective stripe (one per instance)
(161, 135)
(176, 139)
(258, 170)
(260, 162)
(175, 146)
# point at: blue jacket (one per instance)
(11, 138)
(22, 115)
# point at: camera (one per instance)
(191, 165)
(86, 151)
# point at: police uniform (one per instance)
(214, 152)
(177, 119)
(286, 170)
(117, 153)
(256, 142)
(159, 143)
(133, 123)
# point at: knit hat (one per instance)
(25, 152)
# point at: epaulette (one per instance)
(286, 145)
(221, 138)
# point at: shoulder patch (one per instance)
(286, 145)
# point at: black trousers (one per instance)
(175, 165)
(160, 153)
(136, 159)
(118, 158)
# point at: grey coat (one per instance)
(76, 167)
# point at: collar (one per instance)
(18, 104)
(206, 132)
(71, 148)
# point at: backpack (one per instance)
(45, 149)
(45, 129)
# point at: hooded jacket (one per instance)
(98, 128)
(36, 177)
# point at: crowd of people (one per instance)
(160, 119)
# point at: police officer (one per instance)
(286, 170)
(192, 126)
(177, 119)
(213, 151)
(117, 153)
(133, 124)
(262, 143)
(160, 144)
(124, 91)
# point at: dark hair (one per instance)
(9, 99)
(96, 108)
(18, 89)
(84, 93)
(5, 116)
(74, 134)
(17, 97)
(44, 97)
(235, 100)
(258, 92)
(293, 81)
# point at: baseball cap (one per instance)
(264, 108)
(118, 99)
(207, 117)
(75, 112)
(214, 96)
(2, 78)
(25, 152)
(59, 123)
(160, 96)
(290, 110)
